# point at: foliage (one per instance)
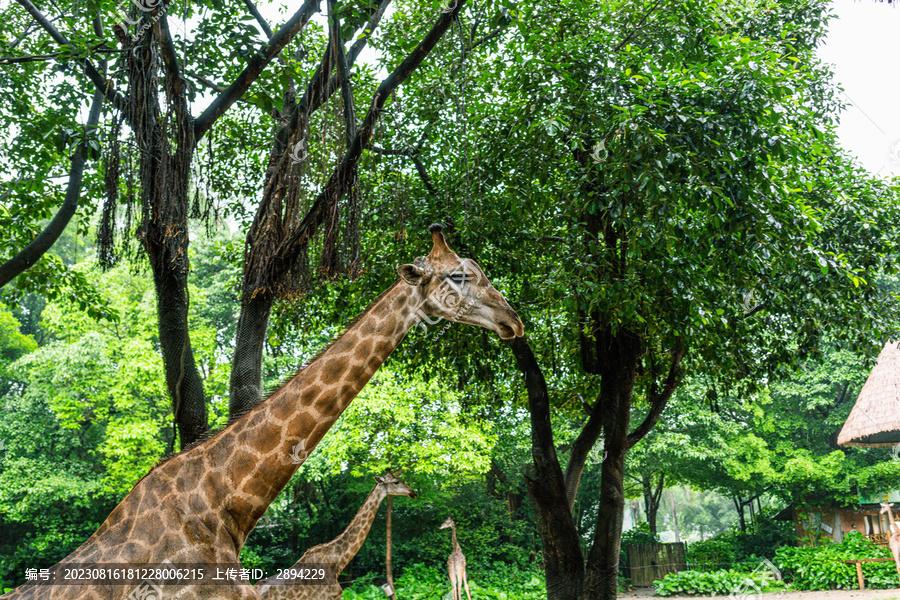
(401, 417)
(716, 583)
(821, 567)
(85, 413)
(713, 554)
(640, 534)
(735, 548)
(419, 582)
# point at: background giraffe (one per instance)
(200, 506)
(338, 552)
(894, 539)
(456, 564)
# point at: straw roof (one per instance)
(875, 418)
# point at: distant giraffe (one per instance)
(456, 564)
(199, 507)
(894, 539)
(336, 553)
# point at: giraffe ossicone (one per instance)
(198, 507)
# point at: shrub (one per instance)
(735, 549)
(420, 582)
(714, 554)
(699, 583)
(821, 567)
(639, 534)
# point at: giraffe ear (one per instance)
(411, 274)
(379, 479)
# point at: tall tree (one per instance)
(153, 97)
(681, 206)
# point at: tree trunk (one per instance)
(740, 510)
(635, 511)
(167, 147)
(280, 235)
(182, 377)
(560, 542)
(618, 359)
(245, 385)
(652, 499)
(675, 518)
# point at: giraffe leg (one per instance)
(454, 587)
(465, 580)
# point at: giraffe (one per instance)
(456, 564)
(894, 539)
(338, 552)
(198, 507)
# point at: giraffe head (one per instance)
(448, 523)
(393, 486)
(456, 289)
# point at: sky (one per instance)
(862, 45)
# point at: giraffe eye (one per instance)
(459, 277)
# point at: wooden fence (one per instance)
(649, 562)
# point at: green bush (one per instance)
(639, 534)
(700, 583)
(821, 567)
(420, 582)
(714, 554)
(735, 549)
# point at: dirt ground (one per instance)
(892, 594)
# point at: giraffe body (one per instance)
(338, 552)
(456, 565)
(894, 539)
(198, 507)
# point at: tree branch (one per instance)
(343, 72)
(11, 187)
(259, 18)
(360, 43)
(581, 448)
(658, 400)
(355, 49)
(12, 60)
(423, 174)
(414, 156)
(102, 84)
(255, 66)
(334, 187)
(169, 54)
(25, 259)
(640, 24)
(208, 83)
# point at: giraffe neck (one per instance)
(453, 538)
(341, 550)
(263, 449)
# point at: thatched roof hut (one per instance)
(875, 418)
